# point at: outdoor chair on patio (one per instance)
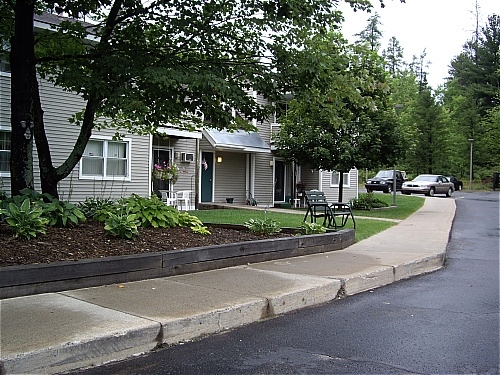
(169, 197)
(183, 199)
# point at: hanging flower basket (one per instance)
(165, 172)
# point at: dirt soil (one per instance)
(89, 240)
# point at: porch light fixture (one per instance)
(219, 159)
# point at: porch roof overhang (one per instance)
(175, 132)
(236, 141)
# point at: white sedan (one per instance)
(429, 184)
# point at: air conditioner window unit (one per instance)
(187, 157)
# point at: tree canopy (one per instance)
(341, 115)
(143, 64)
(472, 97)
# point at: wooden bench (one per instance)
(318, 206)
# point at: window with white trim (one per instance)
(335, 177)
(106, 159)
(4, 152)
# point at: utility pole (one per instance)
(471, 140)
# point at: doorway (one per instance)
(207, 175)
(279, 181)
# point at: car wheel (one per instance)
(368, 190)
(431, 192)
(459, 187)
(389, 189)
(406, 193)
(449, 192)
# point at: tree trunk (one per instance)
(341, 185)
(22, 58)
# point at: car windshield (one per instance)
(425, 178)
(384, 174)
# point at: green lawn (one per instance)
(365, 228)
(405, 206)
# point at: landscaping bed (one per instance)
(84, 256)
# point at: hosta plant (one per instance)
(312, 228)
(192, 222)
(122, 225)
(263, 226)
(25, 220)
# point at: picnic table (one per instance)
(334, 215)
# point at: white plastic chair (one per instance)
(183, 199)
(169, 197)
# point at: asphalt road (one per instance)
(446, 322)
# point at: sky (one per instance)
(441, 27)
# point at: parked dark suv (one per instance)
(383, 181)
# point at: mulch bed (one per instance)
(89, 240)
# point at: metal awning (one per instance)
(175, 131)
(236, 141)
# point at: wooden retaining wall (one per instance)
(18, 281)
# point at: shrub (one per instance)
(25, 219)
(367, 201)
(263, 226)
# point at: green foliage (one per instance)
(367, 201)
(62, 214)
(431, 142)
(92, 205)
(312, 228)
(265, 226)
(32, 195)
(472, 98)
(151, 212)
(337, 120)
(123, 225)
(58, 213)
(191, 221)
(25, 220)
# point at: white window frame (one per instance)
(5, 173)
(104, 176)
(346, 175)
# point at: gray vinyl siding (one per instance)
(230, 177)
(321, 181)
(332, 192)
(59, 106)
(310, 177)
(264, 175)
(5, 121)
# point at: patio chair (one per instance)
(183, 199)
(169, 197)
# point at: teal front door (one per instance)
(207, 173)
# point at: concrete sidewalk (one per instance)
(57, 332)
